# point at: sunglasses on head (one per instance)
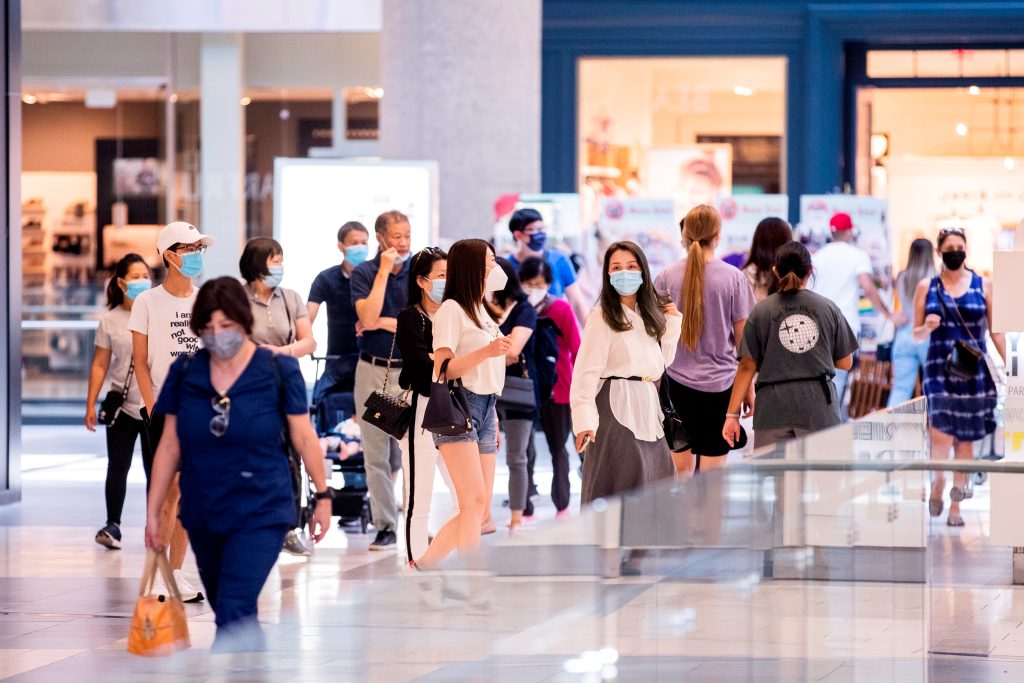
(951, 231)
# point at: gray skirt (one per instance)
(617, 461)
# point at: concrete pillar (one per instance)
(461, 83)
(222, 153)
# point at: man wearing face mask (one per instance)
(527, 227)
(333, 287)
(841, 272)
(379, 292)
(161, 333)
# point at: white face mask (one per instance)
(536, 294)
(496, 280)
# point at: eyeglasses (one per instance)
(952, 231)
(219, 424)
(195, 248)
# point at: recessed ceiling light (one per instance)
(743, 91)
(974, 90)
(28, 99)
(961, 129)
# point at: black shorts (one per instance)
(703, 415)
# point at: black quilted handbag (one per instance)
(390, 413)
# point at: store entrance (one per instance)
(940, 135)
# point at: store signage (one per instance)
(742, 213)
(651, 223)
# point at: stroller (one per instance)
(332, 411)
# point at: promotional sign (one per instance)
(315, 197)
(651, 223)
(690, 174)
(742, 213)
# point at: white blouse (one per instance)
(454, 330)
(607, 353)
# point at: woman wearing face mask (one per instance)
(228, 411)
(280, 324)
(627, 343)
(114, 347)
(468, 345)
(556, 323)
(519, 320)
(414, 336)
(280, 319)
(955, 306)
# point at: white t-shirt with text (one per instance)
(454, 330)
(837, 267)
(164, 319)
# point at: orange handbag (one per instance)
(158, 627)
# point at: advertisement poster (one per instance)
(740, 216)
(690, 175)
(651, 223)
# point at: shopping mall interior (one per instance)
(813, 559)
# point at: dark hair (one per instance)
(648, 302)
(946, 233)
(351, 226)
(467, 268)
(224, 294)
(513, 290)
(253, 264)
(420, 266)
(793, 265)
(385, 220)
(532, 267)
(770, 234)
(523, 217)
(115, 297)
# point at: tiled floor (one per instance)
(347, 614)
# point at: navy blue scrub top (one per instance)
(241, 479)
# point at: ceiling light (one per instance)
(174, 97)
(28, 99)
(245, 101)
(1009, 163)
(974, 90)
(961, 129)
(879, 145)
(743, 91)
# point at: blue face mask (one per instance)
(191, 264)
(626, 282)
(436, 292)
(274, 276)
(356, 254)
(402, 258)
(537, 241)
(137, 287)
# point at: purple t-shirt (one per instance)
(728, 299)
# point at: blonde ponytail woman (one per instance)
(793, 341)
(715, 299)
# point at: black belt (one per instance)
(635, 378)
(822, 379)
(380, 362)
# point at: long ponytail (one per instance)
(700, 227)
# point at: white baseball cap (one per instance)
(180, 232)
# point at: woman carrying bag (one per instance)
(952, 311)
(627, 344)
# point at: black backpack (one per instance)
(545, 350)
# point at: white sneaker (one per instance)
(427, 584)
(188, 592)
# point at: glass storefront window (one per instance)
(693, 128)
(953, 63)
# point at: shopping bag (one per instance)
(158, 626)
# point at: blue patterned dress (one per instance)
(964, 409)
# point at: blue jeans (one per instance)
(908, 357)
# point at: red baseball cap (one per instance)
(841, 222)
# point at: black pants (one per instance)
(156, 429)
(556, 421)
(121, 437)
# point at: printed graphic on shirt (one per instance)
(183, 341)
(799, 333)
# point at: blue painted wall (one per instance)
(813, 36)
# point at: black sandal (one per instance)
(935, 506)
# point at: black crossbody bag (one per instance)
(113, 402)
(965, 358)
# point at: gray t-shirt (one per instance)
(273, 322)
(113, 334)
(728, 299)
(797, 336)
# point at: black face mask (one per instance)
(953, 259)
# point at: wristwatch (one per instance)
(324, 495)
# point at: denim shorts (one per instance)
(485, 424)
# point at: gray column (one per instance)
(222, 153)
(461, 83)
